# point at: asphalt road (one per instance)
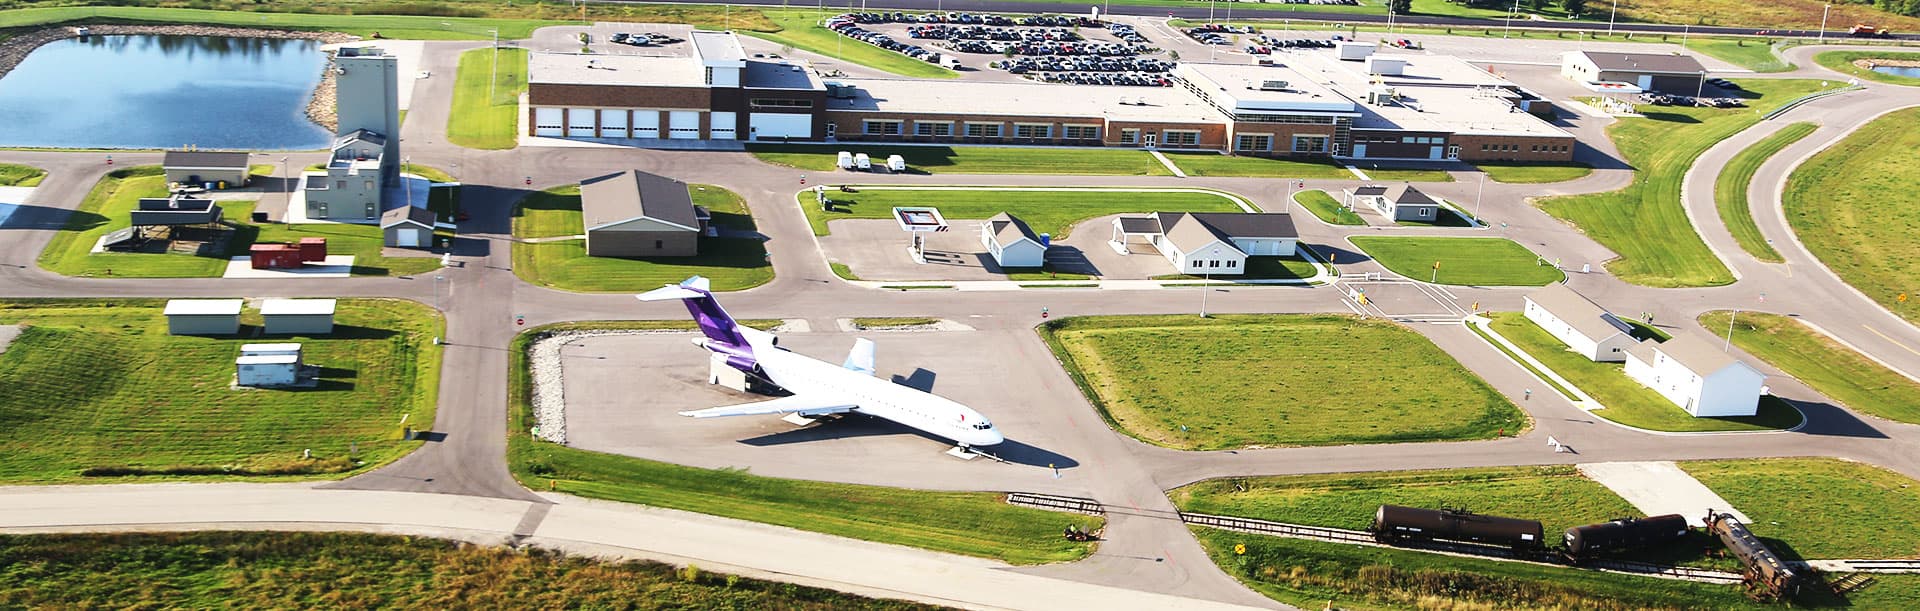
(1147, 550)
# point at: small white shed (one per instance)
(267, 365)
(203, 316)
(1012, 243)
(298, 316)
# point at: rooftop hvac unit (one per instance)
(1273, 85)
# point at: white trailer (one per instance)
(896, 163)
(861, 161)
(845, 160)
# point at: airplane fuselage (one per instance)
(879, 398)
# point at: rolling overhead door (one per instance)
(613, 123)
(580, 122)
(646, 124)
(723, 125)
(779, 125)
(547, 122)
(683, 124)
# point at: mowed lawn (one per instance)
(1835, 370)
(101, 385)
(1626, 401)
(732, 263)
(1520, 172)
(481, 121)
(1813, 508)
(1200, 163)
(290, 570)
(1241, 381)
(1467, 261)
(1557, 495)
(801, 29)
(1645, 222)
(109, 207)
(1324, 207)
(971, 523)
(1857, 207)
(1842, 61)
(1730, 190)
(16, 175)
(1046, 211)
(966, 159)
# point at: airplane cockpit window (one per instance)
(983, 425)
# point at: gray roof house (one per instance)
(1212, 242)
(201, 167)
(636, 214)
(1586, 328)
(1697, 374)
(1012, 243)
(1648, 71)
(408, 227)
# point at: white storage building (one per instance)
(1695, 374)
(298, 316)
(1586, 328)
(1012, 243)
(203, 316)
(267, 365)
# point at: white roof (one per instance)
(1024, 99)
(267, 359)
(204, 307)
(627, 70)
(253, 348)
(284, 307)
(1240, 87)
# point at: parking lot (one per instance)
(878, 250)
(1061, 49)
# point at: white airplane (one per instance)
(819, 388)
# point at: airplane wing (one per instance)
(796, 404)
(861, 358)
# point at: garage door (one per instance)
(723, 125)
(646, 124)
(613, 123)
(408, 237)
(546, 122)
(580, 122)
(780, 125)
(683, 125)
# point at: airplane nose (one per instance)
(991, 437)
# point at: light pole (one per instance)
(436, 290)
(1506, 31)
(1685, 30)
(493, 71)
(1730, 318)
(1701, 87)
(1477, 195)
(1610, 16)
(1289, 205)
(288, 171)
(1206, 286)
(1823, 22)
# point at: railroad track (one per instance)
(1050, 502)
(1883, 566)
(1278, 529)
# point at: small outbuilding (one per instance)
(1696, 374)
(1211, 242)
(1648, 71)
(1398, 203)
(198, 168)
(268, 365)
(298, 316)
(636, 214)
(408, 227)
(1586, 328)
(1012, 243)
(203, 316)
(174, 211)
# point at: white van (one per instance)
(845, 160)
(896, 163)
(861, 161)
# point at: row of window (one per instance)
(891, 127)
(1536, 148)
(779, 103)
(1216, 263)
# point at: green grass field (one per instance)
(1627, 401)
(1730, 190)
(1645, 222)
(1755, 55)
(1325, 208)
(1519, 172)
(289, 570)
(108, 207)
(1466, 261)
(1182, 381)
(1813, 508)
(800, 29)
(1856, 205)
(482, 122)
(732, 263)
(1835, 370)
(1201, 163)
(15, 175)
(1558, 496)
(967, 159)
(1842, 61)
(1051, 212)
(100, 385)
(970, 523)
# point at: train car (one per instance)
(1767, 576)
(1590, 541)
(1393, 524)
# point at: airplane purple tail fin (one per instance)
(723, 334)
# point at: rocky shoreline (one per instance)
(319, 107)
(1869, 63)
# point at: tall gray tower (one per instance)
(368, 97)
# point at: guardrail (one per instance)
(1050, 502)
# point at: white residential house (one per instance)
(1694, 373)
(1585, 327)
(1402, 202)
(1012, 243)
(1202, 243)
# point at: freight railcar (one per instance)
(1583, 543)
(1394, 524)
(1767, 576)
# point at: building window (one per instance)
(659, 244)
(1082, 132)
(339, 184)
(1252, 142)
(1232, 264)
(1309, 144)
(881, 128)
(1032, 130)
(779, 103)
(709, 75)
(369, 185)
(1214, 263)
(923, 128)
(983, 130)
(1179, 137)
(1129, 136)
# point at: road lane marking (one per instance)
(1889, 339)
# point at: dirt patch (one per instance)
(1870, 63)
(7, 333)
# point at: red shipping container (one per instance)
(313, 250)
(275, 256)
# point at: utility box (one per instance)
(1352, 50)
(275, 256)
(268, 365)
(298, 316)
(313, 250)
(1386, 66)
(203, 316)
